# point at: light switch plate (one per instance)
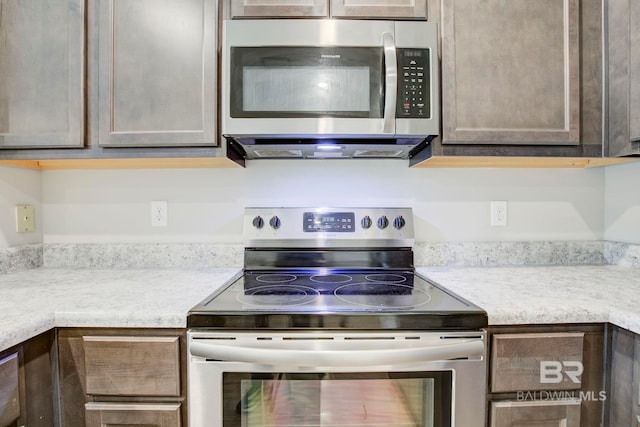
(25, 219)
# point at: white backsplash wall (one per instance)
(19, 186)
(622, 201)
(206, 205)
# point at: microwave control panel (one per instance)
(413, 84)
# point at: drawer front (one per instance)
(556, 413)
(132, 366)
(537, 361)
(132, 414)
(9, 389)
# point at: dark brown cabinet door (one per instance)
(624, 77)
(560, 413)
(9, 389)
(511, 72)
(156, 73)
(132, 414)
(42, 101)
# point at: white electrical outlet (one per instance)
(25, 218)
(159, 213)
(498, 213)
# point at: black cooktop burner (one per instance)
(283, 295)
(335, 299)
(362, 283)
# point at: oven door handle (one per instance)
(337, 358)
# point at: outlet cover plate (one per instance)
(159, 213)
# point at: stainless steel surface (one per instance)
(468, 367)
(391, 82)
(42, 56)
(290, 235)
(326, 295)
(362, 33)
(338, 350)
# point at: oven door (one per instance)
(336, 379)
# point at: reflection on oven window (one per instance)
(319, 400)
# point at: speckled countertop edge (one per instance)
(547, 294)
(32, 302)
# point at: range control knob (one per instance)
(383, 222)
(274, 222)
(399, 222)
(366, 222)
(258, 222)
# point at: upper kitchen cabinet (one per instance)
(156, 73)
(520, 78)
(624, 77)
(279, 8)
(42, 73)
(396, 9)
(353, 9)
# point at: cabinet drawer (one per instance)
(9, 389)
(516, 361)
(132, 414)
(132, 366)
(539, 413)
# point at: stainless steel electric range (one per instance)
(328, 324)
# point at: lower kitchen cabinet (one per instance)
(565, 413)
(9, 389)
(132, 414)
(624, 379)
(27, 383)
(116, 377)
(546, 375)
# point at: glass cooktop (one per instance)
(335, 299)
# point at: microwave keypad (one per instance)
(413, 83)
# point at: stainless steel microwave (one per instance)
(329, 88)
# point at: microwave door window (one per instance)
(306, 82)
(322, 91)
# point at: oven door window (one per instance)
(411, 399)
(274, 82)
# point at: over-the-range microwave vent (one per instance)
(378, 153)
(241, 148)
(277, 154)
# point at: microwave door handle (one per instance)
(391, 82)
(337, 358)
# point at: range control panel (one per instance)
(413, 84)
(328, 227)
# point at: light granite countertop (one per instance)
(545, 295)
(34, 301)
